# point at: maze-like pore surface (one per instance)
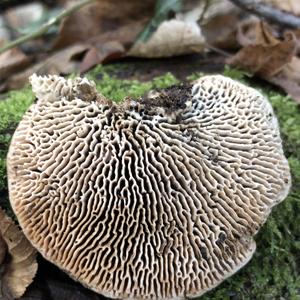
(156, 198)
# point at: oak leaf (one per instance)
(19, 270)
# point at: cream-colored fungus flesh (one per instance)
(155, 198)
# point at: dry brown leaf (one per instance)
(102, 29)
(297, 34)
(292, 70)
(21, 268)
(174, 37)
(126, 35)
(3, 249)
(100, 17)
(264, 60)
(267, 56)
(265, 35)
(220, 31)
(289, 78)
(272, 59)
(12, 61)
(92, 58)
(246, 33)
(218, 7)
(107, 51)
(111, 45)
(64, 61)
(255, 32)
(220, 22)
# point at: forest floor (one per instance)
(274, 271)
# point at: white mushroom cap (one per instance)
(152, 199)
(51, 88)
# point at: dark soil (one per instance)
(171, 98)
(180, 67)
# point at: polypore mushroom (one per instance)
(156, 198)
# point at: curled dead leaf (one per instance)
(21, 267)
(254, 32)
(220, 31)
(174, 37)
(95, 56)
(100, 17)
(111, 45)
(268, 55)
(220, 21)
(64, 61)
(289, 78)
(297, 34)
(270, 58)
(12, 61)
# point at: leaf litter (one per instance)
(17, 259)
(110, 30)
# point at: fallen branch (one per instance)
(270, 13)
(44, 28)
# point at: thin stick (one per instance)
(271, 14)
(218, 50)
(205, 7)
(44, 28)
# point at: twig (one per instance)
(271, 14)
(205, 7)
(218, 50)
(44, 28)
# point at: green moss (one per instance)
(288, 113)
(273, 273)
(236, 74)
(117, 89)
(11, 111)
(195, 76)
(13, 107)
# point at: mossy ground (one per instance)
(274, 271)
